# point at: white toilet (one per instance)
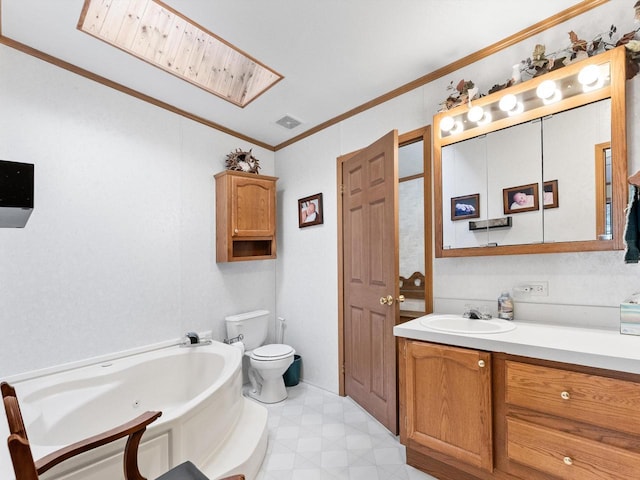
(267, 362)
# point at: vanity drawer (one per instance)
(606, 402)
(566, 456)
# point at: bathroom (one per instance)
(138, 267)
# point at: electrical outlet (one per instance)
(532, 289)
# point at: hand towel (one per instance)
(632, 232)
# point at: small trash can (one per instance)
(292, 375)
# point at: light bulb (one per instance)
(446, 124)
(589, 75)
(556, 97)
(457, 128)
(508, 102)
(475, 114)
(546, 89)
(590, 78)
(486, 119)
(518, 109)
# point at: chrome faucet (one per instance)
(475, 313)
(193, 340)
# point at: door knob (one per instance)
(400, 298)
(388, 300)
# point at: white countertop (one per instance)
(582, 346)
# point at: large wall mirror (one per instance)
(539, 167)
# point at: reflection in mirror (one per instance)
(411, 224)
(554, 157)
(569, 140)
(604, 190)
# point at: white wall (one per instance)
(307, 286)
(584, 288)
(120, 249)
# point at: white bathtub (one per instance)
(204, 419)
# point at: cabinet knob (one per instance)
(567, 460)
(565, 395)
(481, 363)
(235, 231)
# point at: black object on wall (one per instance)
(16, 193)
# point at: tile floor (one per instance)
(317, 435)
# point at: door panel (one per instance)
(370, 246)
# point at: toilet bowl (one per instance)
(267, 365)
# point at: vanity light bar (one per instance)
(591, 78)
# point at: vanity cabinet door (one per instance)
(446, 402)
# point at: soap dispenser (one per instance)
(505, 306)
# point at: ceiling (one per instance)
(335, 55)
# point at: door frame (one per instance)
(413, 136)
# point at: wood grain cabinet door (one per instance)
(446, 401)
(252, 207)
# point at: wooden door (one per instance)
(370, 274)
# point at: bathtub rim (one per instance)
(107, 357)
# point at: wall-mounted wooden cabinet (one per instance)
(245, 216)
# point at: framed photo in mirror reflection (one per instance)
(550, 194)
(466, 206)
(523, 198)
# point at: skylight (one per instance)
(157, 34)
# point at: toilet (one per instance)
(267, 362)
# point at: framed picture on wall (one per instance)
(310, 211)
(466, 206)
(550, 194)
(523, 198)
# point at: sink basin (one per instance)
(459, 324)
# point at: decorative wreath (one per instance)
(242, 161)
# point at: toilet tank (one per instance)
(253, 326)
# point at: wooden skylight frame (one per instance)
(154, 32)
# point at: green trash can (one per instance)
(292, 375)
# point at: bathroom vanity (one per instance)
(538, 402)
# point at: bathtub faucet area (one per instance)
(193, 340)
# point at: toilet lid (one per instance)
(273, 351)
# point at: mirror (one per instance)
(547, 176)
(411, 226)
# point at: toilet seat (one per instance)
(275, 351)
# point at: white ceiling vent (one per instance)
(289, 122)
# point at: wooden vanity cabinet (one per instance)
(245, 216)
(560, 421)
(475, 415)
(445, 404)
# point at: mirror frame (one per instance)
(616, 91)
